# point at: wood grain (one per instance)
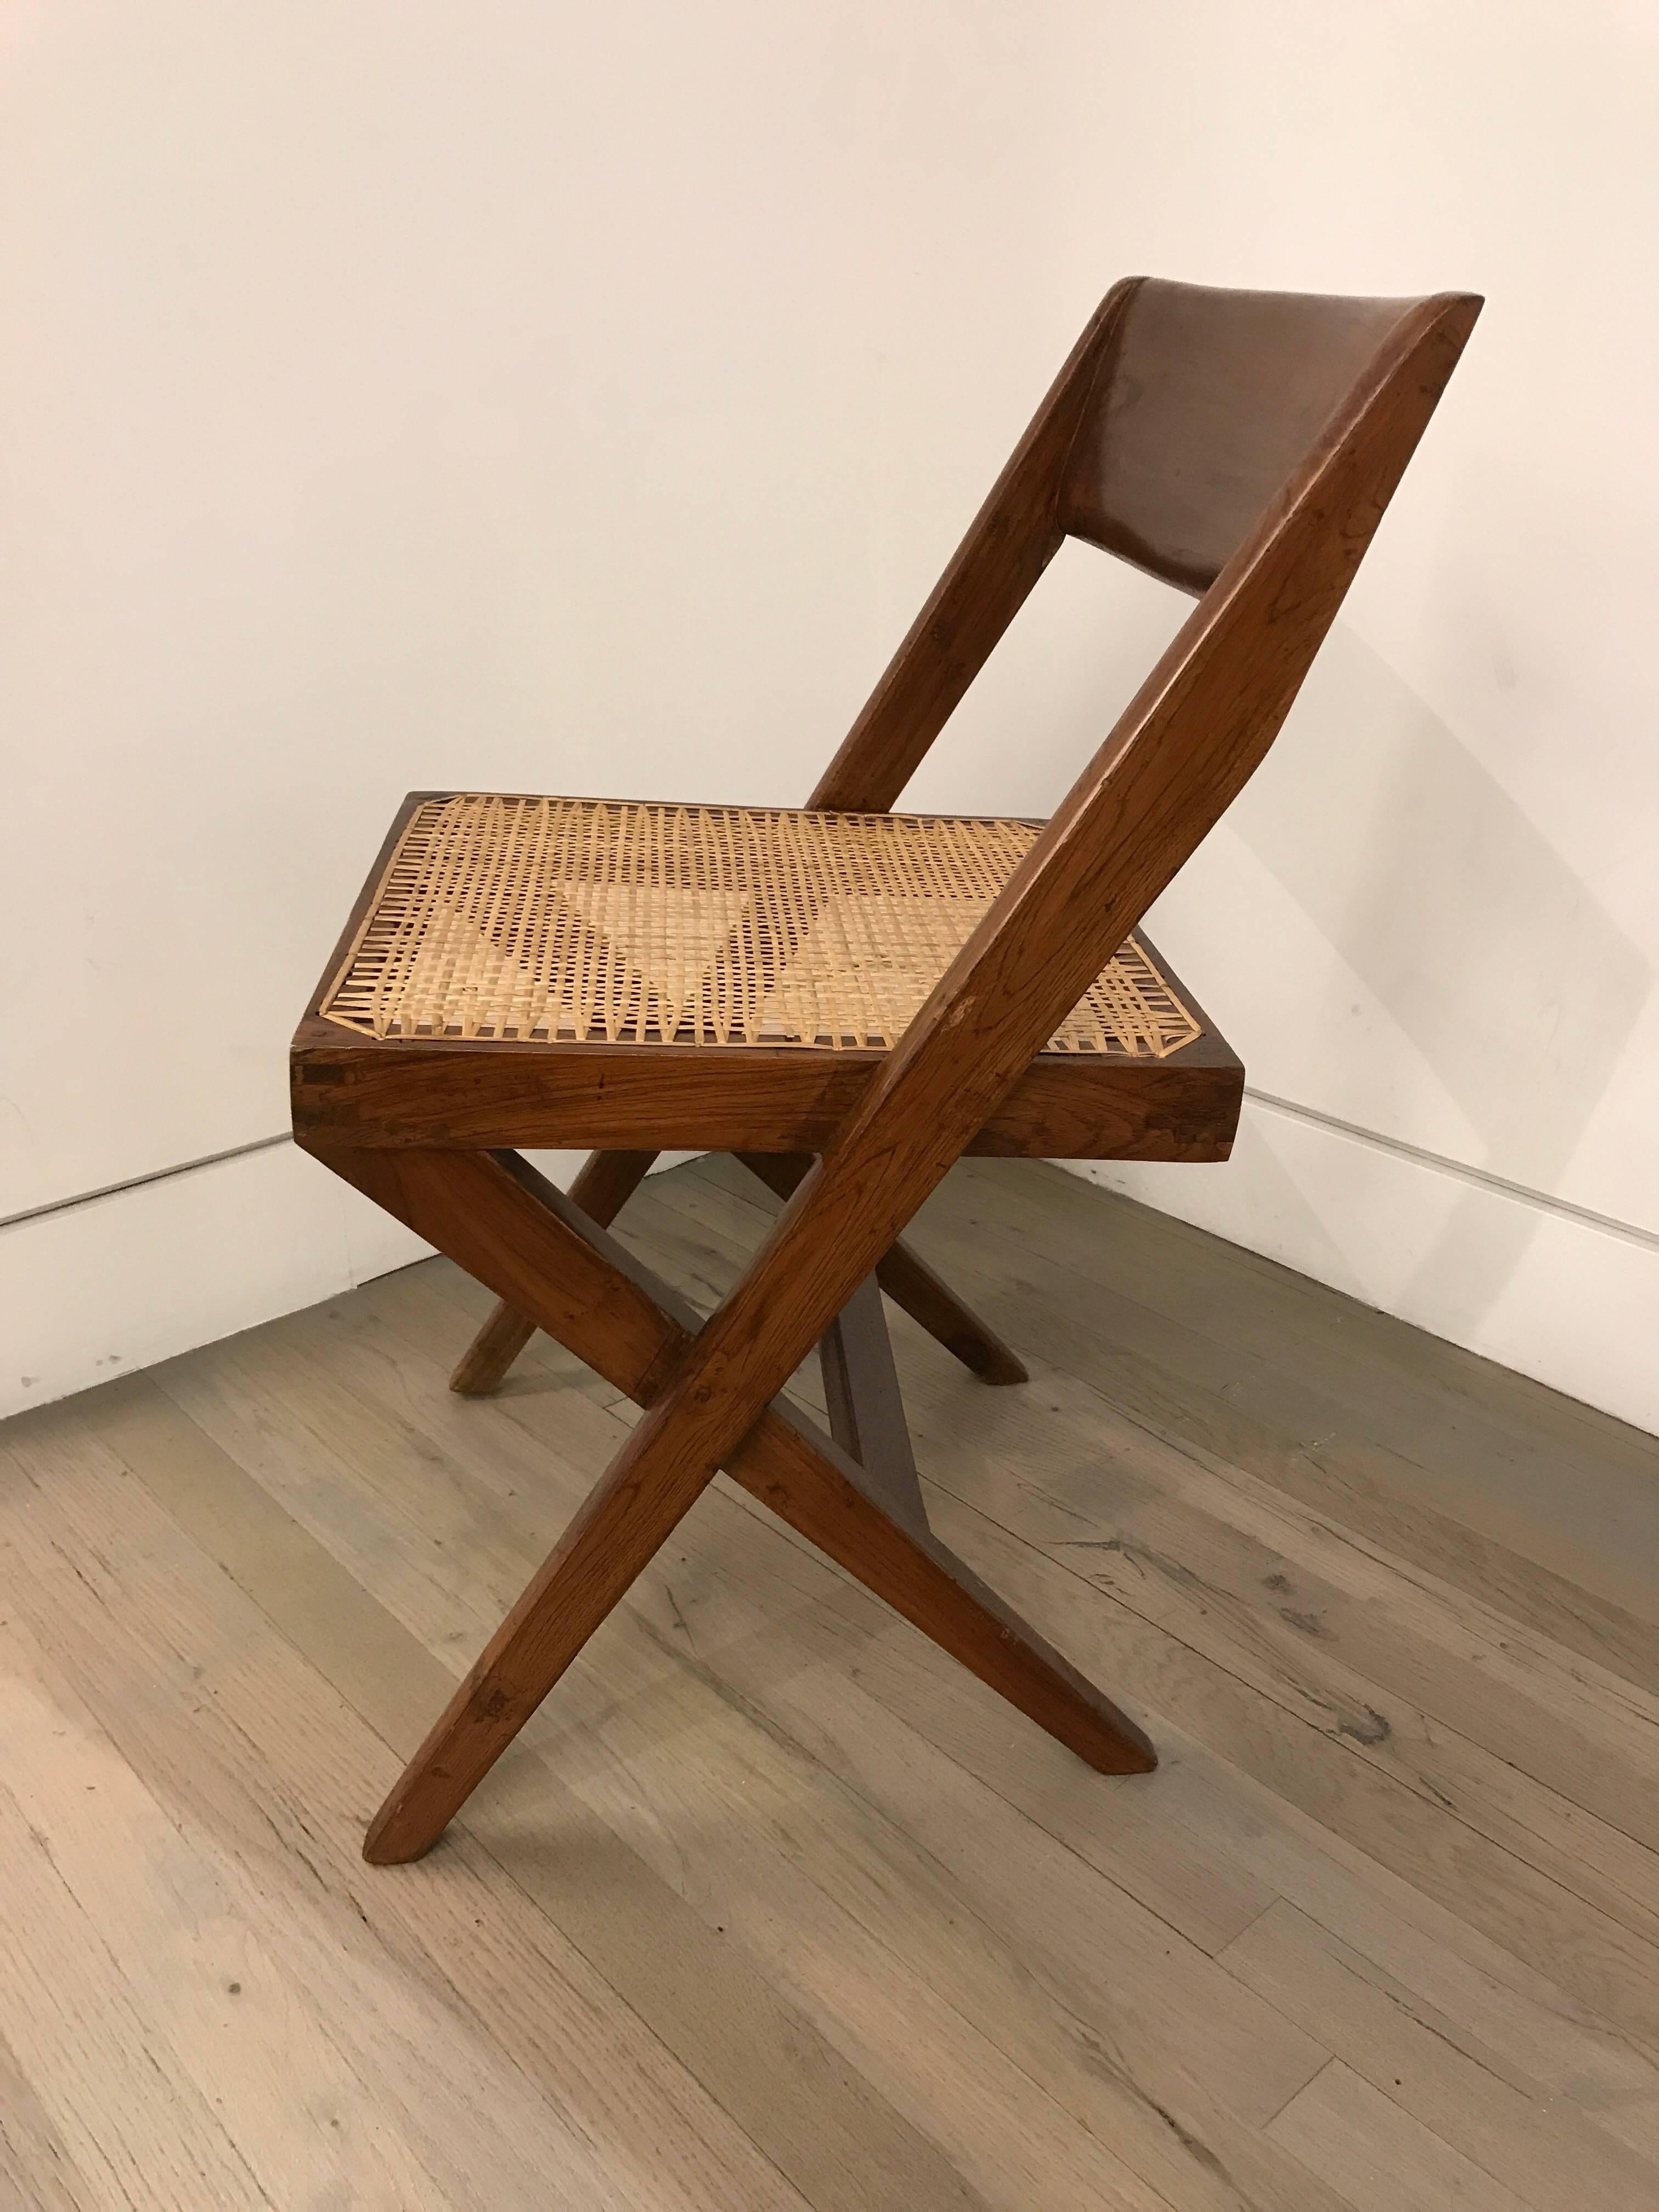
(604, 1185)
(494, 2021)
(739, 1098)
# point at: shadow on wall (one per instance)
(1502, 993)
(1518, 990)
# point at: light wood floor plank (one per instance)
(1456, 1487)
(724, 1643)
(113, 2092)
(1500, 1889)
(1502, 1758)
(1611, 1969)
(1380, 2158)
(1575, 1725)
(232, 1989)
(485, 1548)
(1503, 1437)
(1462, 2091)
(816, 2118)
(773, 1905)
(35, 2168)
(1211, 1394)
(520, 2042)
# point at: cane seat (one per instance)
(589, 920)
(753, 965)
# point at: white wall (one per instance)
(531, 396)
(390, 395)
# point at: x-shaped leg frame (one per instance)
(609, 1179)
(511, 1229)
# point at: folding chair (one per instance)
(850, 998)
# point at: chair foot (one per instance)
(385, 1842)
(483, 1364)
(807, 1481)
(911, 1283)
(616, 1533)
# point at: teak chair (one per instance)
(851, 999)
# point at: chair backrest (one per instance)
(1239, 421)
(1180, 414)
(1204, 403)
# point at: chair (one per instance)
(850, 998)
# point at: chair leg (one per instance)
(605, 1183)
(482, 1367)
(501, 1222)
(866, 1407)
(802, 1476)
(609, 1179)
(912, 1284)
(828, 1498)
(616, 1533)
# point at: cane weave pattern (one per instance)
(575, 920)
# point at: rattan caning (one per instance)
(585, 921)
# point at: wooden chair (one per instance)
(850, 998)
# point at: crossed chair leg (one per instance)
(854, 1494)
(609, 1179)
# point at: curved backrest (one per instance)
(1183, 414)
(1203, 404)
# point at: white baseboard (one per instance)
(1548, 1289)
(116, 1282)
(104, 1284)
(97, 1288)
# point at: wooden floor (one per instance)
(773, 1905)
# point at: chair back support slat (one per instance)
(1180, 414)
(1204, 403)
(1009, 544)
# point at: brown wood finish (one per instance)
(511, 1229)
(1252, 398)
(928, 1299)
(911, 1284)
(482, 1368)
(455, 1093)
(1270, 496)
(605, 1183)
(602, 1187)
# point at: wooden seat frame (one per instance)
(1241, 445)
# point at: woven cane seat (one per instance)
(572, 921)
